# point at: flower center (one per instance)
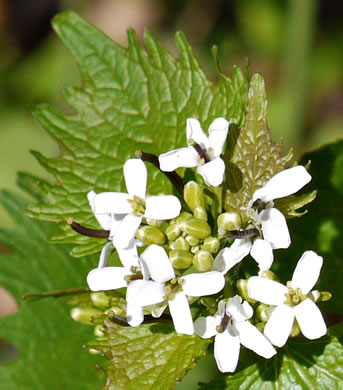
(138, 206)
(224, 324)
(294, 296)
(136, 275)
(172, 287)
(203, 153)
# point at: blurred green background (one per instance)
(296, 45)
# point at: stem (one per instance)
(173, 177)
(87, 231)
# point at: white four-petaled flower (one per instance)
(165, 287)
(292, 302)
(269, 220)
(203, 151)
(231, 328)
(122, 213)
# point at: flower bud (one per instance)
(200, 213)
(180, 259)
(181, 243)
(270, 275)
(228, 221)
(182, 218)
(99, 331)
(325, 296)
(194, 195)
(172, 232)
(195, 249)
(100, 299)
(242, 286)
(262, 312)
(150, 235)
(211, 244)
(154, 222)
(203, 261)
(84, 314)
(192, 241)
(197, 228)
(116, 310)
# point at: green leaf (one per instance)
(47, 339)
(252, 157)
(131, 99)
(147, 357)
(321, 229)
(302, 364)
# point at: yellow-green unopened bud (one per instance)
(194, 195)
(211, 244)
(100, 299)
(180, 259)
(154, 222)
(203, 261)
(197, 228)
(116, 310)
(270, 275)
(192, 241)
(182, 218)
(325, 296)
(84, 314)
(99, 331)
(242, 286)
(295, 329)
(195, 249)
(200, 213)
(172, 232)
(181, 243)
(262, 312)
(150, 235)
(228, 221)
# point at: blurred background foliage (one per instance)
(296, 45)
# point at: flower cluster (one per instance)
(175, 250)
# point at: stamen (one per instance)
(201, 152)
(260, 205)
(248, 233)
(225, 321)
(87, 231)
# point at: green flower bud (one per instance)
(211, 244)
(100, 299)
(195, 249)
(150, 235)
(172, 232)
(228, 221)
(270, 275)
(197, 228)
(84, 314)
(192, 241)
(203, 261)
(99, 331)
(200, 213)
(262, 312)
(154, 222)
(181, 243)
(116, 310)
(242, 286)
(295, 329)
(180, 259)
(182, 218)
(325, 296)
(195, 199)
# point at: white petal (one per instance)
(184, 157)
(206, 283)
(213, 172)
(103, 219)
(158, 263)
(181, 314)
(136, 176)
(283, 184)
(310, 319)
(108, 278)
(104, 254)
(115, 221)
(266, 291)
(217, 135)
(145, 293)
(307, 271)
(129, 256)
(162, 207)
(196, 133)
(279, 325)
(262, 252)
(205, 327)
(112, 202)
(253, 339)
(226, 351)
(126, 231)
(274, 228)
(134, 315)
(238, 311)
(229, 257)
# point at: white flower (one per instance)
(166, 287)
(123, 213)
(203, 151)
(231, 328)
(111, 278)
(266, 218)
(292, 302)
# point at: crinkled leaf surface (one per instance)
(47, 339)
(301, 364)
(130, 99)
(147, 357)
(321, 229)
